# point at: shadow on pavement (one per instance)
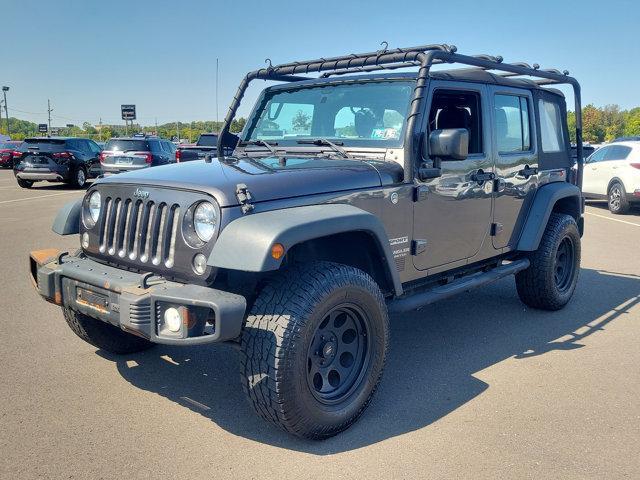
(430, 370)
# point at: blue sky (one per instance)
(89, 57)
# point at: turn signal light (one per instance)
(277, 251)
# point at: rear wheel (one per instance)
(104, 335)
(313, 348)
(551, 278)
(79, 178)
(617, 199)
(25, 183)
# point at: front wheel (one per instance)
(551, 278)
(313, 348)
(25, 183)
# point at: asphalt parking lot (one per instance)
(475, 387)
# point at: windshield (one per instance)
(371, 114)
(127, 145)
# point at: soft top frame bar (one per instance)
(422, 57)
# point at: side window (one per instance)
(512, 123)
(95, 148)
(598, 155)
(551, 133)
(155, 147)
(169, 147)
(617, 152)
(458, 109)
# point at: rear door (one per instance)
(516, 161)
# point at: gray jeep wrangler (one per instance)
(352, 194)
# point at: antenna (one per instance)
(217, 119)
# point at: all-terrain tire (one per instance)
(617, 199)
(103, 335)
(550, 280)
(25, 183)
(278, 346)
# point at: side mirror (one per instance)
(449, 144)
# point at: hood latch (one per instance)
(244, 197)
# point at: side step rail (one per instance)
(463, 284)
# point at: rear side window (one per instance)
(43, 145)
(155, 147)
(551, 133)
(127, 145)
(617, 152)
(512, 124)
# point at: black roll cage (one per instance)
(422, 57)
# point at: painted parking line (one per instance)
(35, 198)
(613, 219)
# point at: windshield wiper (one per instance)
(262, 143)
(321, 142)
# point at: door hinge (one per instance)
(420, 193)
(418, 246)
(244, 197)
(496, 229)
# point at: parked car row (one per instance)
(74, 160)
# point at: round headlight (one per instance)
(205, 221)
(94, 206)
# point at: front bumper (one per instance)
(135, 302)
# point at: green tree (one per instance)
(301, 122)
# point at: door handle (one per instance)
(481, 176)
(528, 171)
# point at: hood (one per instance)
(267, 178)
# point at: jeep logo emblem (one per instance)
(143, 194)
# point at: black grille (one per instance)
(140, 231)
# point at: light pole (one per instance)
(6, 110)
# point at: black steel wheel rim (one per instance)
(565, 264)
(339, 354)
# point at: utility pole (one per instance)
(217, 119)
(49, 110)
(178, 130)
(100, 130)
(6, 108)
(157, 126)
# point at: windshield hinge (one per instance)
(244, 197)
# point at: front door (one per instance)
(596, 176)
(453, 219)
(516, 160)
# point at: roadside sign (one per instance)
(128, 112)
(43, 128)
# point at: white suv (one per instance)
(613, 172)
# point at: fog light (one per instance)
(199, 264)
(85, 240)
(172, 319)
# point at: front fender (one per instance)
(67, 221)
(245, 244)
